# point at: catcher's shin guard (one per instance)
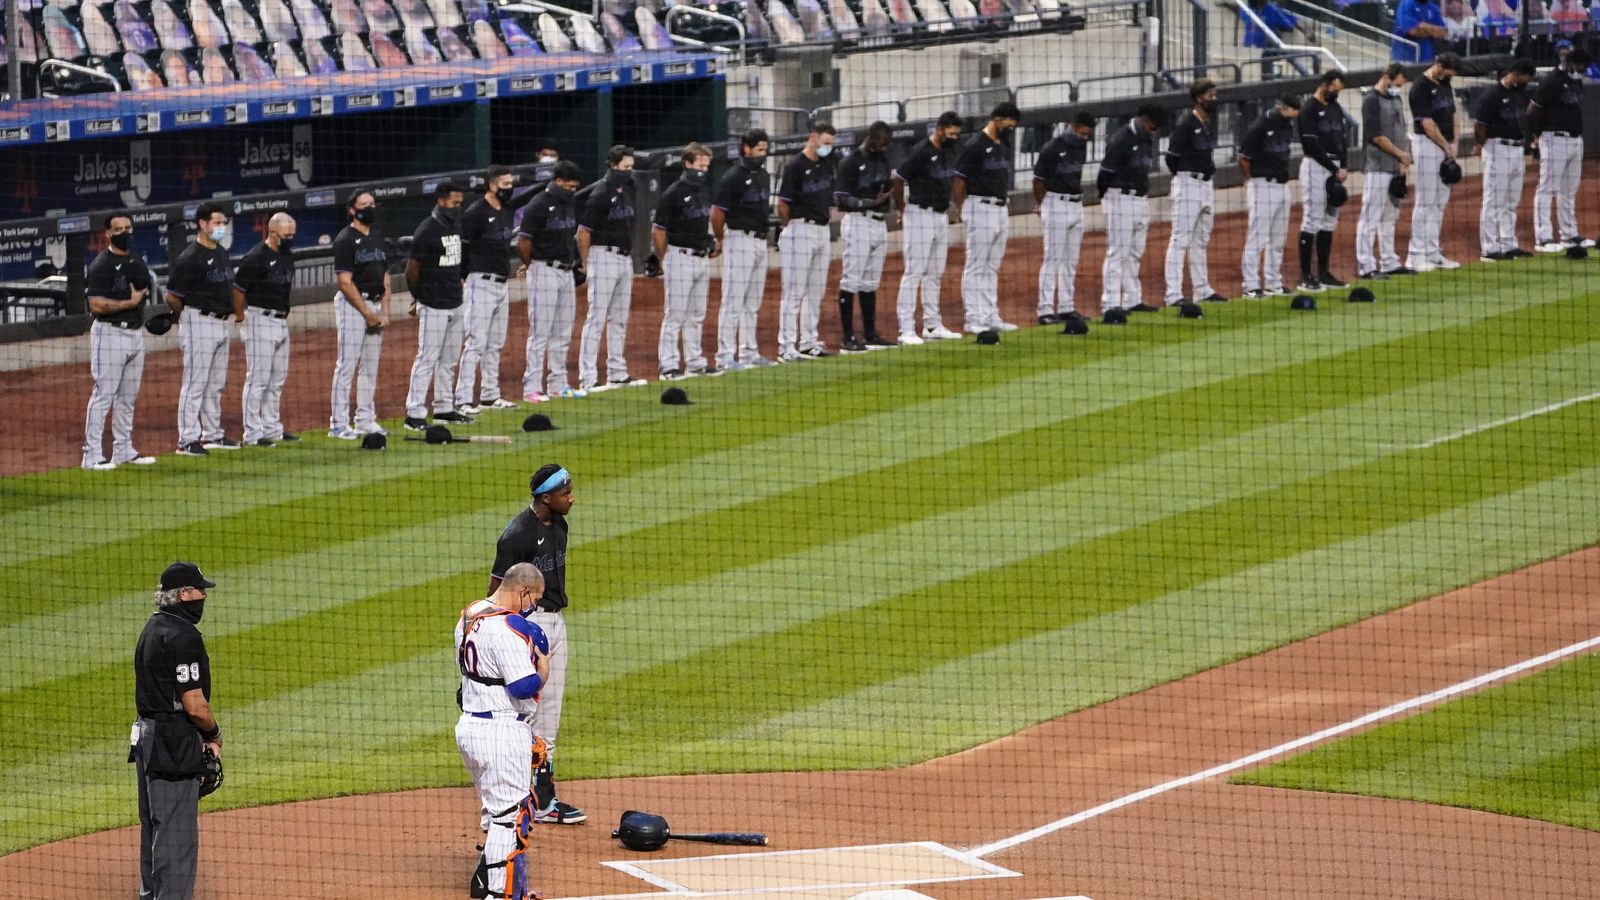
(506, 852)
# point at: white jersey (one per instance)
(497, 645)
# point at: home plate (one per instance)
(828, 872)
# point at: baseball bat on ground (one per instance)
(737, 838)
(438, 434)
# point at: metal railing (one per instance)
(1272, 38)
(1360, 39)
(51, 65)
(1170, 76)
(678, 12)
(830, 114)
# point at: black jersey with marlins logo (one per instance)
(526, 539)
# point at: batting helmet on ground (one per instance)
(1449, 171)
(641, 831)
(1337, 193)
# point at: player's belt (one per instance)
(562, 265)
(1130, 192)
(127, 326)
(1195, 176)
(214, 315)
(503, 714)
(928, 209)
(871, 214)
(746, 232)
(488, 276)
(270, 313)
(989, 201)
(1070, 198)
(1566, 134)
(820, 223)
(689, 251)
(617, 251)
(1505, 142)
(1274, 179)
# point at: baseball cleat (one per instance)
(876, 340)
(1373, 275)
(671, 374)
(940, 333)
(760, 362)
(374, 428)
(263, 442)
(789, 356)
(851, 345)
(415, 424)
(453, 417)
(193, 448)
(561, 813)
(1329, 280)
(818, 352)
(1002, 325)
(222, 443)
(1046, 319)
(568, 393)
(712, 370)
(498, 403)
(344, 433)
(1256, 294)
(909, 339)
(1310, 285)
(1446, 263)
(288, 437)
(137, 460)
(1551, 247)
(470, 409)
(535, 397)
(1141, 307)
(101, 466)
(1402, 270)
(1214, 298)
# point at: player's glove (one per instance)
(652, 266)
(211, 778)
(579, 276)
(541, 752)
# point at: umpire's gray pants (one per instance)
(266, 350)
(169, 836)
(687, 279)
(487, 310)
(610, 298)
(438, 348)
(205, 369)
(116, 360)
(552, 306)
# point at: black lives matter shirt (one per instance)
(169, 661)
(1433, 100)
(265, 276)
(528, 540)
(114, 277)
(807, 186)
(436, 246)
(202, 279)
(364, 257)
(986, 167)
(927, 172)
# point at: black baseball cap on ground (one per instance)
(675, 396)
(182, 575)
(538, 422)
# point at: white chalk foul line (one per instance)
(1466, 432)
(1262, 755)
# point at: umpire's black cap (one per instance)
(182, 575)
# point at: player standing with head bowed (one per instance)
(922, 191)
(1556, 118)
(1433, 140)
(1189, 156)
(434, 275)
(1264, 162)
(861, 190)
(486, 230)
(680, 234)
(1384, 129)
(739, 217)
(980, 190)
(805, 196)
(116, 283)
(1124, 185)
(1322, 139)
(1500, 129)
(360, 314)
(263, 282)
(605, 240)
(200, 290)
(547, 245)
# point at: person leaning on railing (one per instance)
(1272, 16)
(1418, 22)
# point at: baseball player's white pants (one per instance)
(1560, 169)
(687, 280)
(1315, 213)
(552, 307)
(116, 360)
(803, 251)
(266, 353)
(547, 719)
(1127, 227)
(438, 349)
(1063, 238)
(987, 229)
(1379, 212)
(1263, 244)
(485, 313)
(1193, 214)
(744, 278)
(357, 363)
(204, 341)
(498, 754)
(865, 242)
(1427, 213)
(924, 247)
(1503, 168)
(610, 297)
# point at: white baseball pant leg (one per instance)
(1560, 171)
(547, 719)
(1427, 213)
(1315, 213)
(1503, 169)
(987, 227)
(744, 277)
(204, 341)
(357, 363)
(1262, 266)
(1127, 226)
(552, 306)
(610, 294)
(687, 280)
(498, 754)
(1379, 212)
(438, 348)
(116, 360)
(266, 351)
(803, 255)
(925, 245)
(1062, 220)
(1193, 214)
(486, 311)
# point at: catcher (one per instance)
(504, 660)
(176, 744)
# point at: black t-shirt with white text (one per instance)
(436, 245)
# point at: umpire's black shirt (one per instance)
(1432, 100)
(1060, 164)
(985, 165)
(436, 245)
(1189, 148)
(203, 279)
(486, 238)
(265, 276)
(1501, 110)
(927, 173)
(684, 213)
(807, 186)
(528, 540)
(745, 196)
(365, 257)
(169, 661)
(550, 225)
(1129, 154)
(607, 213)
(1267, 145)
(1560, 98)
(114, 276)
(861, 179)
(1322, 134)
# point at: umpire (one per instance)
(174, 734)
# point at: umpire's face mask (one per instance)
(191, 610)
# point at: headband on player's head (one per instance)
(557, 480)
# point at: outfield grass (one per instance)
(1529, 748)
(864, 561)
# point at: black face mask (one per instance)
(1210, 106)
(122, 241)
(451, 216)
(286, 244)
(189, 612)
(367, 215)
(754, 163)
(694, 176)
(503, 194)
(618, 178)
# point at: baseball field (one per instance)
(1033, 552)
